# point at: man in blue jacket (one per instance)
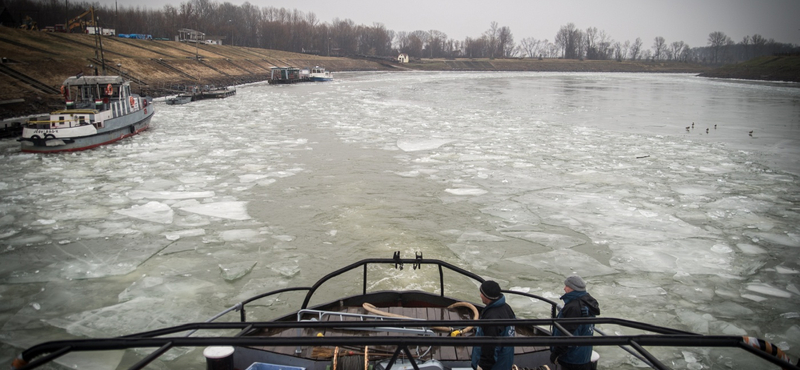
(491, 357)
(577, 303)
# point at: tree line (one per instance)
(297, 31)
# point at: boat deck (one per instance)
(427, 313)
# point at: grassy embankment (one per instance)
(159, 65)
(770, 68)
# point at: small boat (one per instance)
(387, 329)
(179, 99)
(212, 92)
(319, 74)
(99, 110)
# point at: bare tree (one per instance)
(569, 39)
(492, 35)
(505, 42)
(529, 46)
(418, 39)
(590, 43)
(636, 48)
(717, 41)
(659, 45)
(685, 53)
(604, 45)
(626, 46)
(676, 49)
(759, 43)
(618, 54)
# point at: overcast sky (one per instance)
(689, 21)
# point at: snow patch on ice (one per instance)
(767, 289)
(230, 210)
(419, 144)
(152, 211)
(464, 191)
(169, 195)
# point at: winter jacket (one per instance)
(576, 304)
(490, 357)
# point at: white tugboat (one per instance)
(99, 110)
(319, 74)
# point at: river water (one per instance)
(650, 186)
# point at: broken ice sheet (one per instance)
(169, 195)
(82, 259)
(236, 270)
(135, 315)
(478, 236)
(231, 210)
(55, 299)
(258, 286)
(554, 241)
(241, 235)
(409, 144)
(767, 289)
(287, 269)
(152, 211)
(175, 287)
(565, 262)
(691, 256)
(477, 256)
(175, 235)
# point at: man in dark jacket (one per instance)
(577, 303)
(490, 357)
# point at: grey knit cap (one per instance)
(576, 283)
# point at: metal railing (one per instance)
(167, 338)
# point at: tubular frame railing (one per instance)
(667, 337)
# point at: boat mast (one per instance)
(98, 40)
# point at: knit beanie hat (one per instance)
(491, 290)
(576, 283)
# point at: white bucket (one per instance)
(219, 357)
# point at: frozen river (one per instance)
(649, 186)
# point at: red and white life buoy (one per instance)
(109, 90)
(133, 102)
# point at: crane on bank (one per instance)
(79, 21)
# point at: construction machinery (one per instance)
(79, 21)
(29, 24)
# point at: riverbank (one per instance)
(36, 63)
(768, 68)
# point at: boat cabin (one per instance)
(284, 73)
(94, 92)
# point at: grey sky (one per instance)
(689, 21)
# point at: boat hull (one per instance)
(116, 129)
